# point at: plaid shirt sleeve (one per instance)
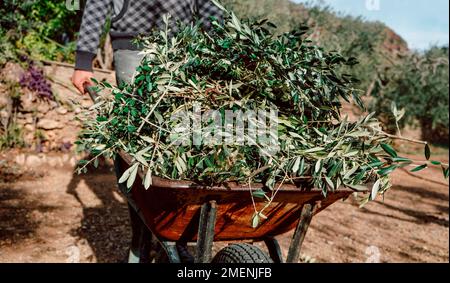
(207, 9)
(92, 25)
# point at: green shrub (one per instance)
(420, 85)
(43, 29)
(11, 137)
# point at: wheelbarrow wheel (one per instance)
(241, 253)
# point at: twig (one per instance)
(402, 138)
(154, 106)
(422, 178)
(260, 170)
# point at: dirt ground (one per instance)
(49, 214)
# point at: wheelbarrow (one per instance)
(171, 214)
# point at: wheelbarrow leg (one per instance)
(274, 249)
(171, 251)
(299, 234)
(205, 235)
(140, 240)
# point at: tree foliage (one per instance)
(419, 85)
(43, 29)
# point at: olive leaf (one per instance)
(296, 165)
(389, 150)
(127, 173)
(427, 152)
(259, 194)
(419, 168)
(255, 220)
(148, 179)
(375, 189)
(133, 175)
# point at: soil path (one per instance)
(56, 216)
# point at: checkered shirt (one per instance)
(130, 18)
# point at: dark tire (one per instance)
(241, 253)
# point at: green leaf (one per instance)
(330, 183)
(375, 189)
(158, 117)
(402, 160)
(373, 165)
(148, 179)
(359, 134)
(387, 170)
(437, 163)
(219, 6)
(259, 194)
(315, 149)
(335, 169)
(351, 153)
(296, 165)
(272, 25)
(133, 175)
(262, 215)
(255, 220)
(389, 150)
(351, 172)
(400, 114)
(295, 135)
(394, 108)
(419, 168)
(127, 173)
(141, 159)
(427, 152)
(318, 166)
(301, 170)
(96, 161)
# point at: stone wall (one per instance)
(46, 125)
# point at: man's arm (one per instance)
(92, 25)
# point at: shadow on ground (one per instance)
(105, 227)
(413, 215)
(18, 215)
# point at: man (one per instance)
(129, 18)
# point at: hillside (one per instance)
(373, 43)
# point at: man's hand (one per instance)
(80, 78)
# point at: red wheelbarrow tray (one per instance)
(171, 209)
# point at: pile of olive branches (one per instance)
(241, 66)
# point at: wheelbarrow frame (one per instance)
(142, 236)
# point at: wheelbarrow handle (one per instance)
(91, 91)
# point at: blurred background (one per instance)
(50, 214)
